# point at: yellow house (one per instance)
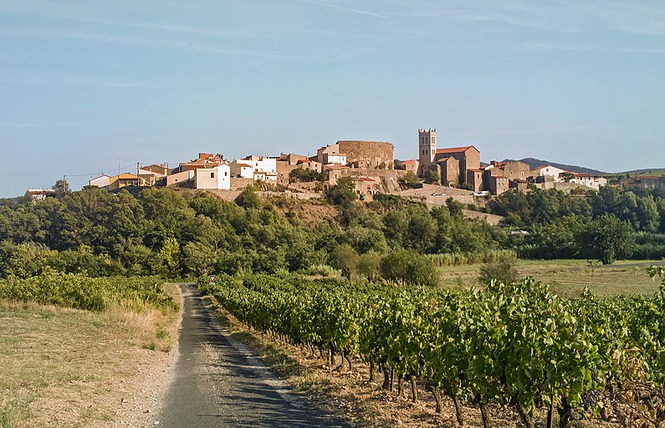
(123, 180)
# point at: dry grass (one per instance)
(65, 367)
(567, 277)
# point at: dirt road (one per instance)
(221, 383)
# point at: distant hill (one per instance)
(646, 171)
(535, 163)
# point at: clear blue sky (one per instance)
(87, 86)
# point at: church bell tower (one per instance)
(426, 147)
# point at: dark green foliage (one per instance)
(409, 180)
(342, 193)
(306, 175)
(607, 239)
(408, 267)
(432, 176)
(248, 198)
(178, 234)
(344, 258)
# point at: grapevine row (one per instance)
(515, 345)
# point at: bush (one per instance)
(320, 270)
(408, 267)
(501, 270)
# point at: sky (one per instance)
(91, 87)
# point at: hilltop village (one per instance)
(371, 166)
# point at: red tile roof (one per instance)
(454, 149)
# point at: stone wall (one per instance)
(517, 171)
(368, 154)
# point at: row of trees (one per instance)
(644, 212)
(177, 233)
(603, 225)
(167, 232)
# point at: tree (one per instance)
(408, 180)
(306, 175)
(198, 257)
(408, 267)
(502, 270)
(398, 165)
(369, 265)
(61, 188)
(607, 239)
(345, 258)
(342, 193)
(248, 198)
(170, 257)
(432, 176)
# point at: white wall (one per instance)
(593, 182)
(550, 171)
(217, 178)
(102, 181)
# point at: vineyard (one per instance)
(82, 292)
(519, 346)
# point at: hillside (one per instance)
(535, 163)
(646, 171)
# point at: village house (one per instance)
(102, 181)
(255, 168)
(123, 180)
(548, 171)
(310, 164)
(411, 165)
(588, 180)
(40, 194)
(204, 160)
(367, 154)
(365, 188)
(180, 178)
(216, 178)
(334, 172)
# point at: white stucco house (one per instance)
(255, 168)
(102, 181)
(217, 178)
(588, 180)
(550, 171)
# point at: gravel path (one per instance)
(221, 383)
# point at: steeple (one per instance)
(426, 146)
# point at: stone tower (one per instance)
(426, 147)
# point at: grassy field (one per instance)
(66, 367)
(567, 277)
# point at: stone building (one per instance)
(368, 154)
(448, 169)
(474, 178)
(498, 184)
(452, 163)
(466, 157)
(411, 165)
(366, 187)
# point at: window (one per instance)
(212, 175)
